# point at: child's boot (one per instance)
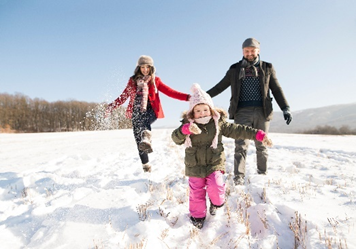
(146, 167)
(198, 222)
(213, 208)
(145, 144)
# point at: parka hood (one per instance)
(222, 112)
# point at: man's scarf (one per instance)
(247, 64)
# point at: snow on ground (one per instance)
(87, 190)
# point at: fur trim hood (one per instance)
(218, 116)
(222, 112)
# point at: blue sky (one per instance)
(86, 50)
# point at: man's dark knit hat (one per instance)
(251, 42)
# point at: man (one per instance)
(251, 104)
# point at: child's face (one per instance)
(145, 69)
(201, 111)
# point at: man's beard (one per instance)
(250, 58)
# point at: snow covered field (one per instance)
(87, 190)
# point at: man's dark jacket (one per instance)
(268, 80)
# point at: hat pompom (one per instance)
(199, 96)
(195, 87)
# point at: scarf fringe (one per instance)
(154, 83)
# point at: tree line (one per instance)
(19, 113)
(331, 130)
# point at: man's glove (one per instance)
(287, 115)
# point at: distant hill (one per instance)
(335, 115)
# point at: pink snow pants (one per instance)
(214, 185)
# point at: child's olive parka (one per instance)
(201, 159)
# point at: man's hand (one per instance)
(287, 115)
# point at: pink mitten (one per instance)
(190, 128)
(185, 129)
(262, 137)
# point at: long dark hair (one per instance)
(138, 74)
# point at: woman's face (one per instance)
(145, 70)
(201, 111)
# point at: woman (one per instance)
(144, 105)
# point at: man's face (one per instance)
(250, 53)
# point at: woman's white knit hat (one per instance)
(199, 96)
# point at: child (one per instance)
(144, 106)
(201, 131)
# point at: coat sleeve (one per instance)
(277, 90)
(178, 137)
(237, 131)
(170, 91)
(222, 85)
(123, 96)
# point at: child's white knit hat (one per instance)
(199, 96)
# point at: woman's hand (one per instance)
(108, 111)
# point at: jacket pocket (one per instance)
(268, 108)
(190, 159)
(217, 155)
(267, 77)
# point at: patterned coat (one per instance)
(130, 92)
